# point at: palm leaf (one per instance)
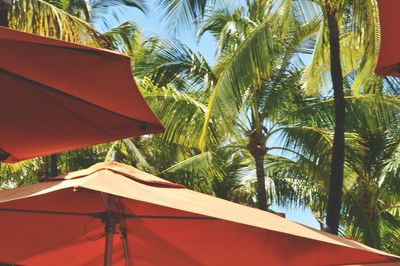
(40, 17)
(181, 114)
(248, 65)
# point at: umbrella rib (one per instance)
(101, 214)
(170, 217)
(122, 229)
(47, 212)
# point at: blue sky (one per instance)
(153, 23)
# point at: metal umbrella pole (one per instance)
(110, 229)
(111, 219)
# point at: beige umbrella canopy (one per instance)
(68, 220)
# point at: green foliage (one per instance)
(183, 12)
(40, 17)
(181, 114)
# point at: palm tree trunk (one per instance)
(53, 165)
(4, 18)
(4, 13)
(257, 149)
(261, 192)
(337, 164)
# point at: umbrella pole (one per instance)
(110, 228)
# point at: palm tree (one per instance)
(247, 47)
(264, 82)
(4, 9)
(43, 18)
(337, 164)
(370, 199)
(178, 85)
(67, 20)
(371, 211)
(336, 14)
(98, 11)
(254, 76)
(352, 23)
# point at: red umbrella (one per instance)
(389, 53)
(58, 96)
(67, 221)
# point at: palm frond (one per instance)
(40, 17)
(183, 12)
(249, 65)
(21, 173)
(174, 62)
(124, 37)
(127, 152)
(107, 13)
(181, 114)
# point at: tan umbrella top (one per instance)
(130, 183)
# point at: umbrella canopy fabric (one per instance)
(58, 96)
(389, 53)
(59, 222)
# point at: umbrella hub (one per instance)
(110, 221)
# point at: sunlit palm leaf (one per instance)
(181, 115)
(40, 17)
(127, 152)
(124, 38)
(183, 12)
(174, 62)
(248, 65)
(108, 13)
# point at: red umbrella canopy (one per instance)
(389, 53)
(60, 222)
(58, 96)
